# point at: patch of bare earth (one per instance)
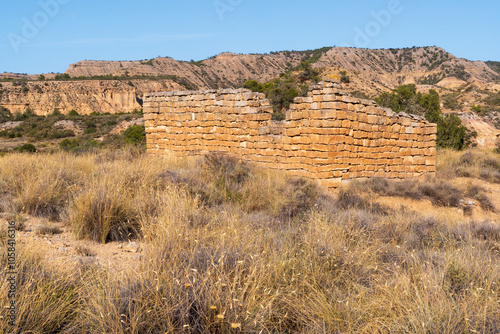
(64, 248)
(125, 124)
(69, 125)
(487, 134)
(425, 207)
(9, 125)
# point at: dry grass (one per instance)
(474, 163)
(479, 194)
(47, 296)
(84, 251)
(48, 229)
(231, 248)
(439, 192)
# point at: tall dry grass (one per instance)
(482, 164)
(232, 248)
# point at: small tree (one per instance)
(5, 114)
(344, 78)
(29, 148)
(135, 134)
(69, 144)
(308, 72)
(41, 77)
(25, 115)
(56, 112)
(476, 109)
(253, 86)
(450, 132)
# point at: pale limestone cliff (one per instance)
(84, 96)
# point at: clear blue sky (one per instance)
(47, 35)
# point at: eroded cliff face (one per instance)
(84, 96)
(378, 69)
(371, 72)
(227, 70)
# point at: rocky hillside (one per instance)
(375, 71)
(118, 86)
(85, 96)
(227, 70)
(385, 68)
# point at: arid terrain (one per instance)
(469, 88)
(111, 239)
(370, 71)
(116, 241)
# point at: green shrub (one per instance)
(135, 134)
(56, 112)
(90, 145)
(493, 99)
(29, 148)
(28, 113)
(295, 82)
(91, 130)
(405, 98)
(73, 112)
(63, 76)
(476, 108)
(450, 101)
(253, 86)
(344, 77)
(450, 131)
(76, 145)
(69, 144)
(5, 114)
(61, 133)
(280, 92)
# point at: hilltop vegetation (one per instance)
(495, 65)
(71, 132)
(368, 72)
(283, 90)
(450, 131)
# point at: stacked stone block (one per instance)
(328, 135)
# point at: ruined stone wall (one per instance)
(328, 135)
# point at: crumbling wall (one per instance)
(328, 135)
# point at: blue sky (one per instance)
(47, 35)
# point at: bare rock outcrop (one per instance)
(85, 96)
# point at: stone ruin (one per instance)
(328, 136)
